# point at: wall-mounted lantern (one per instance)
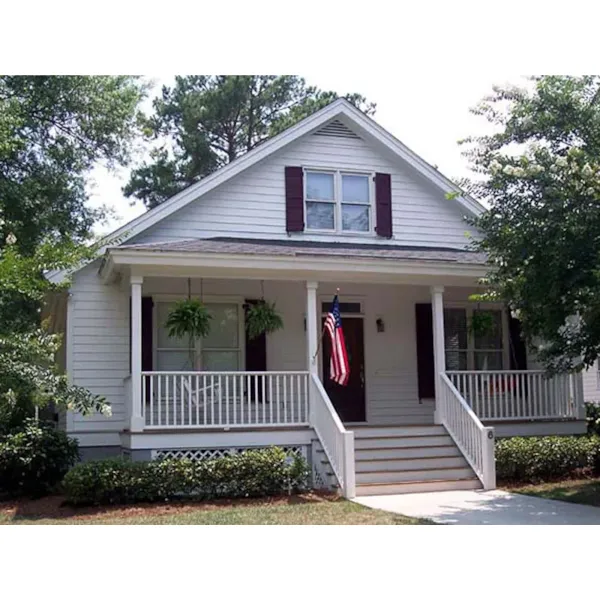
(380, 325)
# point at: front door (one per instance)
(348, 400)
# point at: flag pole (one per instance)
(337, 292)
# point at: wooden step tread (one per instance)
(407, 483)
(386, 448)
(421, 470)
(404, 437)
(398, 426)
(368, 460)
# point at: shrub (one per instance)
(35, 458)
(252, 473)
(592, 414)
(534, 459)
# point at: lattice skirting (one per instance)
(204, 453)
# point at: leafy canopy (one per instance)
(53, 130)
(541, 178)
(204, 122)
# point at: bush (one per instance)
(35, 458)
(535, 459)
(252, 473)
(592, 414)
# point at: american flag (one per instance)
(338, 364)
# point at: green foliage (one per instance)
(34, 459)
(205, 122)
(28, 373)
(540, 175)
(189, 318)
(253, 473)
(592, 415)
(53, 130)
(481, 323)
(262, 317)
(535, 459)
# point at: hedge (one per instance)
(35, 458)
(254, 473)
(536, 459)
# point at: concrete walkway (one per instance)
(485, 508)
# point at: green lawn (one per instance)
(309, 510)
(578, 491)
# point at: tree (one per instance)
(205, 122)
(28, 372)
(53, 130)
(541, 178)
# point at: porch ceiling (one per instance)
(296, 260)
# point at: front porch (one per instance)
(414, 363)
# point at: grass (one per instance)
(578, 491)
(309, 509)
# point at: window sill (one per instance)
(323, 233)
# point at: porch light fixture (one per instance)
(380, 325)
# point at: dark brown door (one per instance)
(256, 360)
(349, 400)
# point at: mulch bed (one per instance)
(54, 507)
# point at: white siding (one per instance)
(591, 390)
(99, 346)
(252, 205)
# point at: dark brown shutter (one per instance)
(256, 360)
(294, 199)
(383, 204)
(518, 349)
(425, 367)
(147, 327)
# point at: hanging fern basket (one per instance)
(262, 317)
(189, 318)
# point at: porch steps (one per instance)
(409, 459)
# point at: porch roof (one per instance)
(299, 248)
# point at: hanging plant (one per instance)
(481, 323)
(189, 318)
(262, 317)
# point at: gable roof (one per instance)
(338, 108)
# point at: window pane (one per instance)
(355, 188)
(164, 341)
(455, 329)
(224, 326)
(456, 361)
(488, 361)
(355, 217)
(488, 333)
(319, 186)
(219, 361)
(178, 360)
(319, 215)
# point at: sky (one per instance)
(429, 112)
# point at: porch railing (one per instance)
(184, 399)
(475, 441)
(337, 442)
(518, 395)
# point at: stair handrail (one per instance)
(336, 440)
(474, 440)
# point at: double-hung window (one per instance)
(220, 350)
(338, 201)
(469, 348)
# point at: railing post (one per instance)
(349, 466)
(137, 420)
(439, 354)
(489, 460)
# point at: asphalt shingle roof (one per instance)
(305, 248)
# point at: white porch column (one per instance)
(137, 419)
(312, 330)
(439, 355)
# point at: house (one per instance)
(334, 202)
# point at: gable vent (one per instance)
(337, 129)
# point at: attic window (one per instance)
(337, 201)
(337, 129)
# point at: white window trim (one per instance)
(198, 348)
(338, 203)
(470, 349)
